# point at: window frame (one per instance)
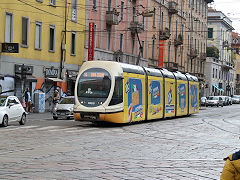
(27, 36)
(52, 2)
(11, 27)
(38, 23)
(73, 43)
(54, 28)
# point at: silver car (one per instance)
(214, 101)
(64, 109)
(236, 99)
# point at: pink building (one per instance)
(117, 26)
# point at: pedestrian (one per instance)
(231, 169)
(56, 98)
(28, 100)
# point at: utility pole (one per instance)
(63, 45)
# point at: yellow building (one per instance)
(47, 37)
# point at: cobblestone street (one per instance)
(181, 148)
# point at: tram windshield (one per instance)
(94, 83)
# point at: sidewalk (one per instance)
(37, 116)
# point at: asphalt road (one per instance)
(180, 148)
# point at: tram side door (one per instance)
(170, 97)
(134, 97)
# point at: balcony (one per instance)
(172, 7)
(173, 66)
(203, 56)
(136, 27)
(112, 17)
(193, 53)
(226, 65)
(178, 41)
(164, 34)
(200, 76)
(225, 44)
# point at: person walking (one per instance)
(56, 98)
(28, 100)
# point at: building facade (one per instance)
(41, 39)
(173, 37)
(219, 70)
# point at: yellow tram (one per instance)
(122, 93)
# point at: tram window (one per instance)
(117, 97)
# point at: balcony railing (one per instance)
(178, 41)
(225, 44)
(193, 53)
(112, 17)
(164, 34)
(203, 56)
(172, 66)
(227, 65)
(172, 7)
(136, 27)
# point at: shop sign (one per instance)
(10, 47)
(160, 56)
(50, 72)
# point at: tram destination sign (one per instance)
(10, 47)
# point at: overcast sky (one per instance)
(231, 8)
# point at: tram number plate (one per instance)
(93, 117)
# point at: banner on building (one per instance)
(160, 56)
(90, 41)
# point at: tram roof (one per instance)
(191, 77)
(167, 74)
(153, 72)
(132, 68)
(180, 76)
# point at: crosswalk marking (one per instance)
(72, 129)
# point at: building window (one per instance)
(94, 4)
(9, 28)
(122, 10)
(143, 49)
(109, 4)
(73, 44)
(74, 10)
(213, 72)
(134, 14)
(51, 38)
(108, 39)
(153, 47)
(121, 42)
(210, 33)
(53, 2)
(133, 44)
(38, 35)
(24, 40)
(143, 21)
(154, 16)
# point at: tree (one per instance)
(213, 52)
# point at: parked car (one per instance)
(11, 110)
(64, 109)
(214, 101)
(203, 101)
(225, 100)
(230, 101)
(236, 99)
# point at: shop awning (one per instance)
(55, 79)
(218, 88)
